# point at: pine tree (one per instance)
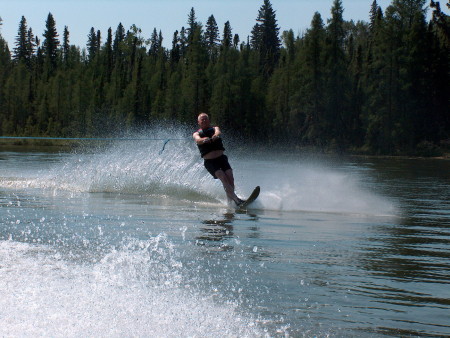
(119, 37)
(441, 21)
(373, 15)
(99, 39)
(108, 60)
(257, 34)
(183, 42)
(173, 99)
(280, 89)
(154, 44)
(175, 51)
(160, 41)
(22, 50)
(308, 103)
(265, 38)
(212, 37)
(39, 59)
(66, 44)
(394, 100)
(158, 83)
(194, 91)
(211, 32)
(337, 86)
(192, 25)
(376, 17)
(227, 36)
(5, 68)
(51, 43)
(16, 94)
(438, 66)
(30, 45)
(402, 17)
(92, 44)
(236, 40)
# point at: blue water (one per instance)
(123, 241)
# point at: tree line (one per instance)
(381, 86)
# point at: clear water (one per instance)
(125, 241)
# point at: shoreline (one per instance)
(68, 145)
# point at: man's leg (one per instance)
(230, 177)
(228, 183)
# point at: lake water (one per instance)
(124, 240)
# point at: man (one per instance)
(211, 149)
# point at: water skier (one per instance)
(211, 149)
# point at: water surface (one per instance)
(125, 241)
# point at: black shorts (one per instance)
(218, 163)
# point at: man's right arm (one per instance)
(200, 140)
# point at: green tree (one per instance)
(108, 55)
(119, 37)
(17, 99)
(337, 85)
(308, 103)
(194, 88)
(92, 44)
(51, 43)
(396, 89)
(227, 35)
(156, 43)
(118, 77)
(175, 52)
(193, 24)
(236, 40)
(265, 38)
(65, 45)
(24, 43)
(173, 100)
(386, 80)
(212, 37)
(158, 75)
(280, 89)
(224, 103)
(417, 40)
(441, 21)
(183, 41)
(438, 66)
(5, 68)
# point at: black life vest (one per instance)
(206, 148)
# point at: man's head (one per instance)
(203, 121)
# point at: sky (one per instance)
(166, 16)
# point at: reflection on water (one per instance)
(221, 228)
(216, 230)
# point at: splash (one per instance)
(318, 188)
(128, 167)
(288, 183)
(135, 290)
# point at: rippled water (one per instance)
(124, 241)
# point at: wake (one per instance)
(140, 167)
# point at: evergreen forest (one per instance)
(377, 87)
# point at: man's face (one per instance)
(203, 121)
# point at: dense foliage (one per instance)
(381, 86)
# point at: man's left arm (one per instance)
(216, 133)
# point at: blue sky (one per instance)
(165, 15)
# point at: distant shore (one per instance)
(69, 145)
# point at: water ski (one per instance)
(253, 196)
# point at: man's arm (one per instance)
(217, 133)
(200, 140)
